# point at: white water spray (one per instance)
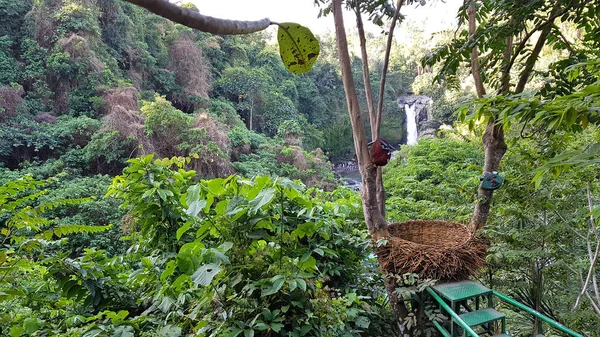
(411, 125)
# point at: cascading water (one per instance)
(411, 125)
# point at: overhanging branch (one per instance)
(201, 22)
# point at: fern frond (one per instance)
(79, 229)
(46, 206)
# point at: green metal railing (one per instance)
(441, 329)
(535, 313)
(454, 315)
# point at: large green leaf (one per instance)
(190, 257)
(31, 325)
(298, 47)
(264, 197)
(205, 274)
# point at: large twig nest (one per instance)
(432, 249)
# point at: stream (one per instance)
(350, 174)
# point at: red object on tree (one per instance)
(381, 152)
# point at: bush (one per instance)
(436, 179)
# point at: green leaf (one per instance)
(301, 284)
(298, 47)
(293, 284)
(233, 333)
(215, 186)
(205, 274)
(168, 271)
(193, 194)
(305, 257)
(190, 257)
(195, 207)
(248, 333)
(123, 331)
(263, 198)
(275, 286)
(169, 331)
(186, 226)
(362, 322)
(277, 327)
(16, 331)
(31, 325)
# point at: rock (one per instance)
(429, 129)
(422, 106)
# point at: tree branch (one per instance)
(373, 119)
(475, 69)
(366, 76)
(201, 22)
(386, 62)
(532, 59)
(564, 40)
(594, 305)
(523, 42)
(594, 258)
(505, 79)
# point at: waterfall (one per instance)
(411, 125)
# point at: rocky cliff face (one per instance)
(427, 126)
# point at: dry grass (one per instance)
(78, 47)
(432, 249)
(45, 117)
(10, 98)
(125, 98)
(211, 165)
(191, 68)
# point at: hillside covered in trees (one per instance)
(161, 181)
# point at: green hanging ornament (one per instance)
(491, 181)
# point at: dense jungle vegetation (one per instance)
(160, 181)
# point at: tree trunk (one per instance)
(373, 117)
(375, 222)
(251, 111)
(373, 217)
(475, 70)
(494, 149)
(493, 138)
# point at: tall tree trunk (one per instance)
(494, 149)
(375, 222)
(373, 117)
(493, 137)
(251, 111)
(538, 290)
(366, 72)
(373, 217)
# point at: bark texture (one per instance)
(494, 150)
(475, 69)
(375, 221)
(201, 22)
(493, 138)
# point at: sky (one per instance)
(434, 16)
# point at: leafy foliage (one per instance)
(226, 257)
(434, 179)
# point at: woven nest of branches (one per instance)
(432, 249)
